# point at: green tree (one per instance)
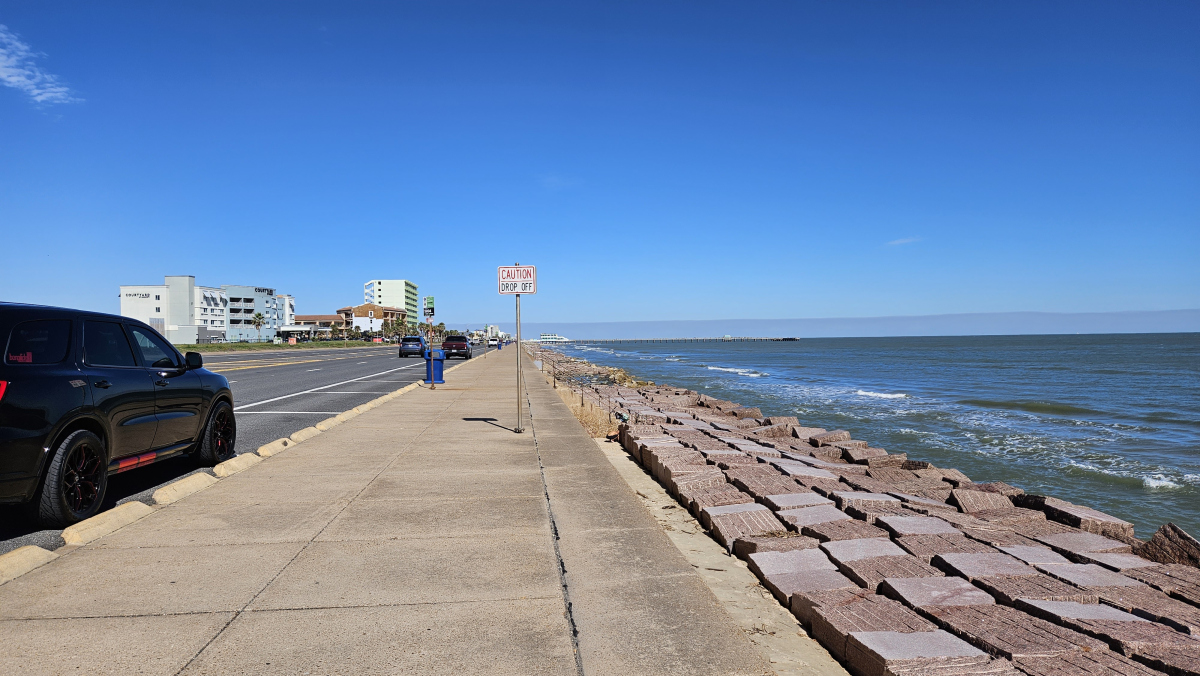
(258, 320)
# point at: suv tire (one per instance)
(75, 482)
(220, 435)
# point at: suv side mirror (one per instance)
(194, 360)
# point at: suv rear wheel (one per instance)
(75, 481)
(220, 434)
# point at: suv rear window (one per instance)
(411, 339)
(454, 339)
(39, 342)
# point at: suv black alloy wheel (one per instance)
(76, 481)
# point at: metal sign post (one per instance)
(429, 332)
(516, 280)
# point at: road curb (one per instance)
(277, 446)
(304, 435)
(235, 465)
(178, 490)
(21, 560)
(104, 523)
(328, 423)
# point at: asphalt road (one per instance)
(274, 395)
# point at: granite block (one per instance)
(1152, 604)
(868, 573)
(707, 514)
(976, 501)
(783, 501)
(795, 561)
(1034, 555)
(833, 531)
(1082, 663)
(1087, 575)
(858, 498)
(973, 566)
(726, 528)
(922, 592)
(840, 593)
(744, 547)
(1010, 633)
(916, 525)
(808, 516)
(925, 547)
(845, 551)
(1082, 543)
(1116, 561)
(883, 653)
(829, 438)
(1007, 589)
(1178, 580)
(832, 625)
(1175, 660)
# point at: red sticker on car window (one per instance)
(26, 358)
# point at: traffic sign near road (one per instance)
(517, 279)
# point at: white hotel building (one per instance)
(186, 313)
(399, 293)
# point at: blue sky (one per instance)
(655, 160)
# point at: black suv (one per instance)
(84, 395)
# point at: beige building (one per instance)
(370, 316)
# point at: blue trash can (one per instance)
(435, 362)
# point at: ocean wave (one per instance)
(1050, 407)
(748, 373)
(1159, 481)
(880, 395)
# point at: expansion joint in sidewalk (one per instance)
(562, 566)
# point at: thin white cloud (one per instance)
(901, 242)
(19, 71)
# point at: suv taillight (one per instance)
(3, 386)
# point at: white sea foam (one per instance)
(1158, 481)
(749, 373)
(880, 395)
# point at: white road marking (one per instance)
(379, 393)
(311, 370)
(294, 412)
(324, 387)
(362, 362)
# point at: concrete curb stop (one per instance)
(235, 465)
(104, 523)
(277, 446)
(178, 490)
(328, 423)
(21, 560)
(304, 434)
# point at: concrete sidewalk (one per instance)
(422, 536)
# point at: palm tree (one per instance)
(258, 320)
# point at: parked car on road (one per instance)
(413, 346)
(456, 346)
(85, 395)
(492, 342)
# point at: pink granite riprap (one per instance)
(1152, 604)
(1015, 517)
(1087, 519)
(793, 468)
(840, 592)
(844, 551)
(861, 499)
(806, 433)
(1180, 581)
(797, 561)
(900, 526)
(743, 547)
(729, 526)
(736, 461)
(772, 485)
(1175, 660)
(1087, 575)
(751, 472)
(889, 460)
(1082, 543)
(794, 500)
(1007, 589)
(892, 475)
(868, 573)
(925, 591)
(860, 454)
(997, 537)
(930, 503)
(1082, 663)
(870, 513)
(880, 653)
(977, 501)
(1034, 555)
(1122, 631)
(997, 487)
(1010, 633)
(1116, 561)
(808, 516)
(851, 529)
(833, 624)
(925, 547)
(829, 438)
(1035, 529)
(824, 487)
(717, 498)
(973, 566)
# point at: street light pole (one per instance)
(520, 376)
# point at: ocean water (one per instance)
(1107, 421)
